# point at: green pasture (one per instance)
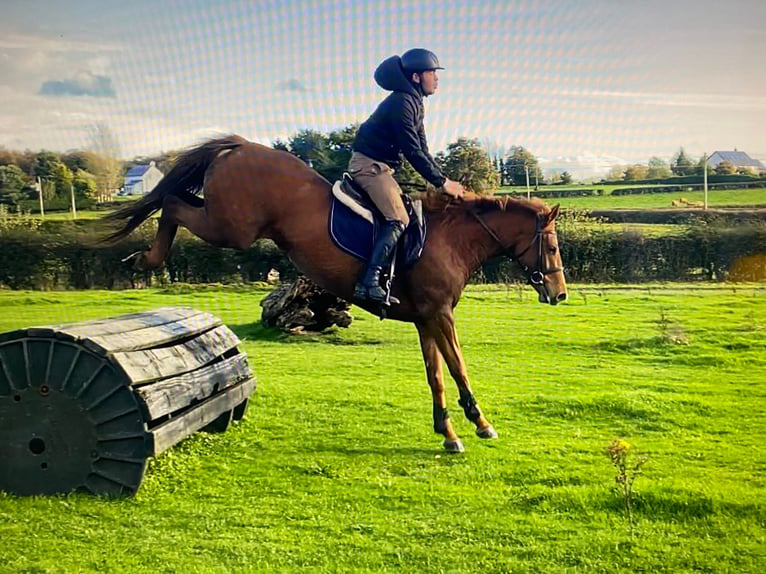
(716, 198)
(335, 467)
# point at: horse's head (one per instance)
(541, 260)
(530, 240)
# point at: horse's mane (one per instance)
(440, 203)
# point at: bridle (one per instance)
(536, 277)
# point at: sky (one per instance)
(582, 85)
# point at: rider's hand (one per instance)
(453, 189)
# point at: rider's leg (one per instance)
(368, 286)
(377, 180)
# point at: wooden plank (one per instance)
(109, 326)
(114, 325)
(125, 323)
(176, 429)
(133, 322)
(149, 365)
(155, 335)
(171, 395)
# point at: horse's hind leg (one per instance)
(433, 361)
(175, 212)
(443, 328)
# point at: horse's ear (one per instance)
(554, 213)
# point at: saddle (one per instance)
(354, 222)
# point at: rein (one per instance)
(537, 276)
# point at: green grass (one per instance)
(716, 198)
(82, 214)
(646, 229)
(335, 467)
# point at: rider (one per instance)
(395, 127)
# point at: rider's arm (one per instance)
(410, 143)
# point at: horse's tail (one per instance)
(184, 180)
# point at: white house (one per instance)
(736, 158)
(141, 179)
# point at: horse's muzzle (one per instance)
(544, 297)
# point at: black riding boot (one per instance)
(368, 287)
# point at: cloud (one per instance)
(83, 84)
(292, 85)
(685, 100)
(39, 42)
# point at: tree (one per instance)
(103, 161)
(8, 157)
(616, 173)
(725, 168)
(47, 168)
(747, 170)
(14, 184)
(408, 179)
(636, 172)
(340, 143)
(566, 178)
(516, 165)
(75, 160)
(467, 162)
(327, 154)
(280, 144)
(62, 179)
(84, 184)
(24, 160)
(311, 146)
(682, 164)
(658, 168)
(43, 166)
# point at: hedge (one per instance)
(756, 181)
(729, 217)
(65, 257)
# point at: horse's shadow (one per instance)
(258, 331)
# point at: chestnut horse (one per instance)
(250, 191)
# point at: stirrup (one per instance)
(387, 299)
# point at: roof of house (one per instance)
(137, 171)
(738, 158)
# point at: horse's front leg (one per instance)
(443, 327)
(434, 373)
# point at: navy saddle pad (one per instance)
(354, 223)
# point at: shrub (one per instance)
(63, 254)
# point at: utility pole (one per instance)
(526, 170)
(704, 176)
(71, 195)
(40, 195)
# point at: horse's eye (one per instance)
(553, 249)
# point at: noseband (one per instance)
(537, 276)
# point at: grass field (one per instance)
(335, 467)
(716, 198)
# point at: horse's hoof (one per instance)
(487, 432)
(453, 445)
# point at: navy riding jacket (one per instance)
(396, 126)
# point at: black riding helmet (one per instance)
(419, 60)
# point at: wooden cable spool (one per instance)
(83, 406)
